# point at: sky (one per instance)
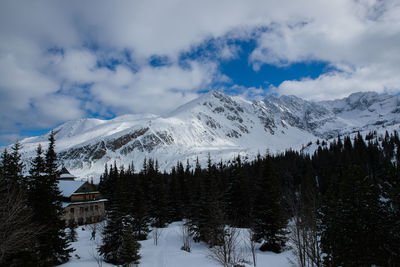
(65, 60)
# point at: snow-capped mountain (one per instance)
(214, 123)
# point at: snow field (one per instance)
(168, 252)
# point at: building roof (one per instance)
(68, 187)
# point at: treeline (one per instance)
(338, 207)
(32, 232)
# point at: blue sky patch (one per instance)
(241, 72)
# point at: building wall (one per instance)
(85, 196)
(84, 213)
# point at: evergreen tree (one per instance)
(18, 232)
(71, 236)
(139, 210)
(45, 200)
(112, 234)
(129, 250)
(38, 167)
(11, 166)
(174, 202)
(4, 163)
(120, 235)
(238, 206)
(350, 212)
(208, 225)
(51, 158)
(269, 220)
(159, 203)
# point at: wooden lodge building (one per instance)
(82, 202)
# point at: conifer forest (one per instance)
(337, 207)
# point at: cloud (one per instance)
(63, 60)
(251, 93)
(152, 90)
(338, 84)
(359, 40)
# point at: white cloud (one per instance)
(152, 90)
(339, 84)
(122, 90)
(358, 38)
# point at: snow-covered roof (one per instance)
(67, 188)
(66, 175)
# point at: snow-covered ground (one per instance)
(167, 253)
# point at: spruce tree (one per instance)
(238, 196)
(18, 231)
(159, 203)
(123, 228)
(129, 251)
(352, 220)
(269, 220)
(112, 234)
(208, 225)
(139, 210)
(11, 166)
(71, 236)
(45, 199)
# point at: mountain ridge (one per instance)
(214, 123)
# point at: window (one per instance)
(96, 207)
(81, 209)
(86, 208)
(72, 210)
(91, 208)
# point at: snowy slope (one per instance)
(377, 134)
(214, 123)
(326, 119)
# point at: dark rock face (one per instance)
(123, 140)
(98, 150)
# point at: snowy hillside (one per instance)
(214, 123)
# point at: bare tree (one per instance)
(157, 232)
(17, 231)
(251, 245)
(304, 236)
(186, 237)
(229, 253)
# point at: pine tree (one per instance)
(129, 251)
(351, 221)
(112, 234)
(45, 200)
(139, 210)
(11, 166)
(38, 167)
(159, 203)
(269, 220)
(120, 244)
(4, 162)
(208, 225)
(16, 164)
(238, 205)
(71, 236)
(18, 232)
